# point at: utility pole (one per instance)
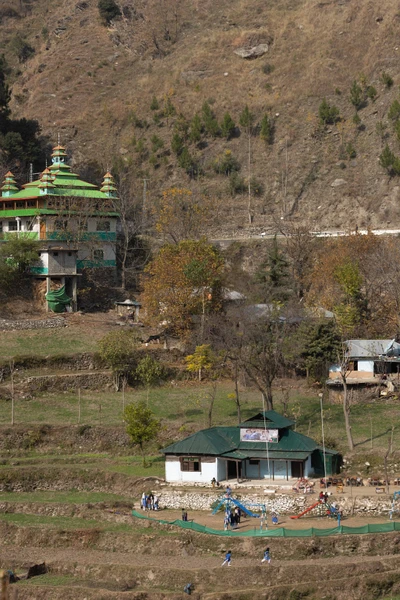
(145, 193)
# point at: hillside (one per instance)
(94, 86)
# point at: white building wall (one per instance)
(307, 467)
(221, 469)
(208, 471)
(366, 366)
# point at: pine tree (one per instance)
(154, 104)
(177, 144)
(228, 126)
(267, 129)
(210, 122)
(195, 129)
(356, 95)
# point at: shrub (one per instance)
(328, 114)
(267, 129)
(154, 104)
(350, 150)
(108, 10)
(157, 143)
(372, 93)
(226, 163)
(237, 184)
(195, 129)
(387, 79)
(357, 97)
(210, 122)
(177, 144)
(267, 68)
(394, 110)
(22, 48)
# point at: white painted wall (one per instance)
(208, 471)
(307, 467)
(366, 366)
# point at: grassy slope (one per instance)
(83, 73)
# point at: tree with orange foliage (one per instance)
(183, 280)
(181, 215)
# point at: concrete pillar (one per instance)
(48, 281)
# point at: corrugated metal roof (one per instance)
(269, 418)
(263, 454)
(225, 441)
(366, 348)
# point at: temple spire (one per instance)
(9, 186)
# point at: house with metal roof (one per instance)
(368, 360)
(263, 447)
(75, 222)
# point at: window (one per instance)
(98, 255)
(253, 461)
(10, 205)
(190, 464)
(20, 204)
(29, 225)
(103, 226)
(12, 226)
(31, 203)
(55, 253)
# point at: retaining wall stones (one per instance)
(280, 503)
(52, 323)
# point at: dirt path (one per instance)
(95, 557)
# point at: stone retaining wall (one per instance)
(280, 503)
(6, 325)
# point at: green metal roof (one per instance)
(263, 454)
(269, 419)
(225, 442)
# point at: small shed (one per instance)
(128, 308)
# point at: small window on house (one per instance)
(10, 205)
(55, 253)
(98, 255)
(31, 203)
(20, 204)
(254, 461)
(12, 226)
(103, 226)
(69, 253)
(190, 464)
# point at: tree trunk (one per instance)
(237, 397)
(346, 412)
(267, 398)
(211, 405)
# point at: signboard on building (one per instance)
(259, 435)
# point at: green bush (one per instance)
(372, 93)
(267, 68)
(154, 104)
(394, 110)
(350, 150)
(357, 97)
(328, 114)
(226, 163)
(387, 79)
(108, 10)
(237, 184)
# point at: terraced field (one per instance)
(77, 519)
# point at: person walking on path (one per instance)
(267, 556)
(227, 560)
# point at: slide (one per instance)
(305, 511)
(243, 508)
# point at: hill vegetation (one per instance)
(162, 88)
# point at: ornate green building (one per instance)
(75, 221)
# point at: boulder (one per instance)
(253, 52)
(338, 182)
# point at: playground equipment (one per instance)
(396, 498)
(329, 509)
(227, 502)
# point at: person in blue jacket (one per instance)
(227, 560)
(267, 556)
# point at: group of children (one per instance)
(149, 501)
(232, 518)
(228, 557)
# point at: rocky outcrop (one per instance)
(253, 52)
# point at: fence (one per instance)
(279, 532)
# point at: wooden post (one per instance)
(4, 580)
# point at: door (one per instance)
(232, 473)
(297, 469)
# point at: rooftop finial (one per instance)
(58, 138)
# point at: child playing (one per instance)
(227, 560)
(267, 557)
